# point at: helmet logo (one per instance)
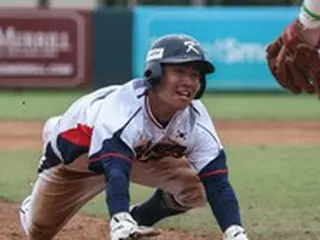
(191, 47)
(155, 54)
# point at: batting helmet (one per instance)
(176, 49)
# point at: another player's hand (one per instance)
(293, 58)
(124, 227)
(235, 232)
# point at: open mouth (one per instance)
(185, 95)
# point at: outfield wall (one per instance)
(234, 39)
(72, 48)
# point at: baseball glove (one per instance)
(294, 59)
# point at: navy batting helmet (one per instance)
(176, 49)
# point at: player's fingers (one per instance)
(143, 232)
(273, 48)
(292, 82)
(279, 68)
(299, 78)
(281, 57)
(285, 76)
(276, 65)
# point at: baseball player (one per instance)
(153, 131)
(293, 58)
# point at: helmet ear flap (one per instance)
(153, 74)
(203, 86)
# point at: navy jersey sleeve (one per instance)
(114, 161)
(111, 150)
(220, 194)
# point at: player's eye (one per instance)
(195, 74)
(180, 71)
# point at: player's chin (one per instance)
(181, 103)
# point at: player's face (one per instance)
(179, 85)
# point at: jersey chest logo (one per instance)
(147, 150)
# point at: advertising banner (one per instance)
(234, 39)
(44, 48)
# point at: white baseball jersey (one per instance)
(117, 121)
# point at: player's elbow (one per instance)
(116, 168)
(215, 184)
(116, 173)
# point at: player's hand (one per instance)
(294, 60)
(124, 227)
(235, 232)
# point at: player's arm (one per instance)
(309, 14)
(222, 198)
(114, 160)
(209, 159)
(111, 150)
(293, 57)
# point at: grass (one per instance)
(39, 105)
(277, 187)
(262, 106)
(35, 105)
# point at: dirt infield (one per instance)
(80, 228)
(27, 135)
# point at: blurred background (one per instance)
(53, 52)
(124, 3)
(87, 43)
